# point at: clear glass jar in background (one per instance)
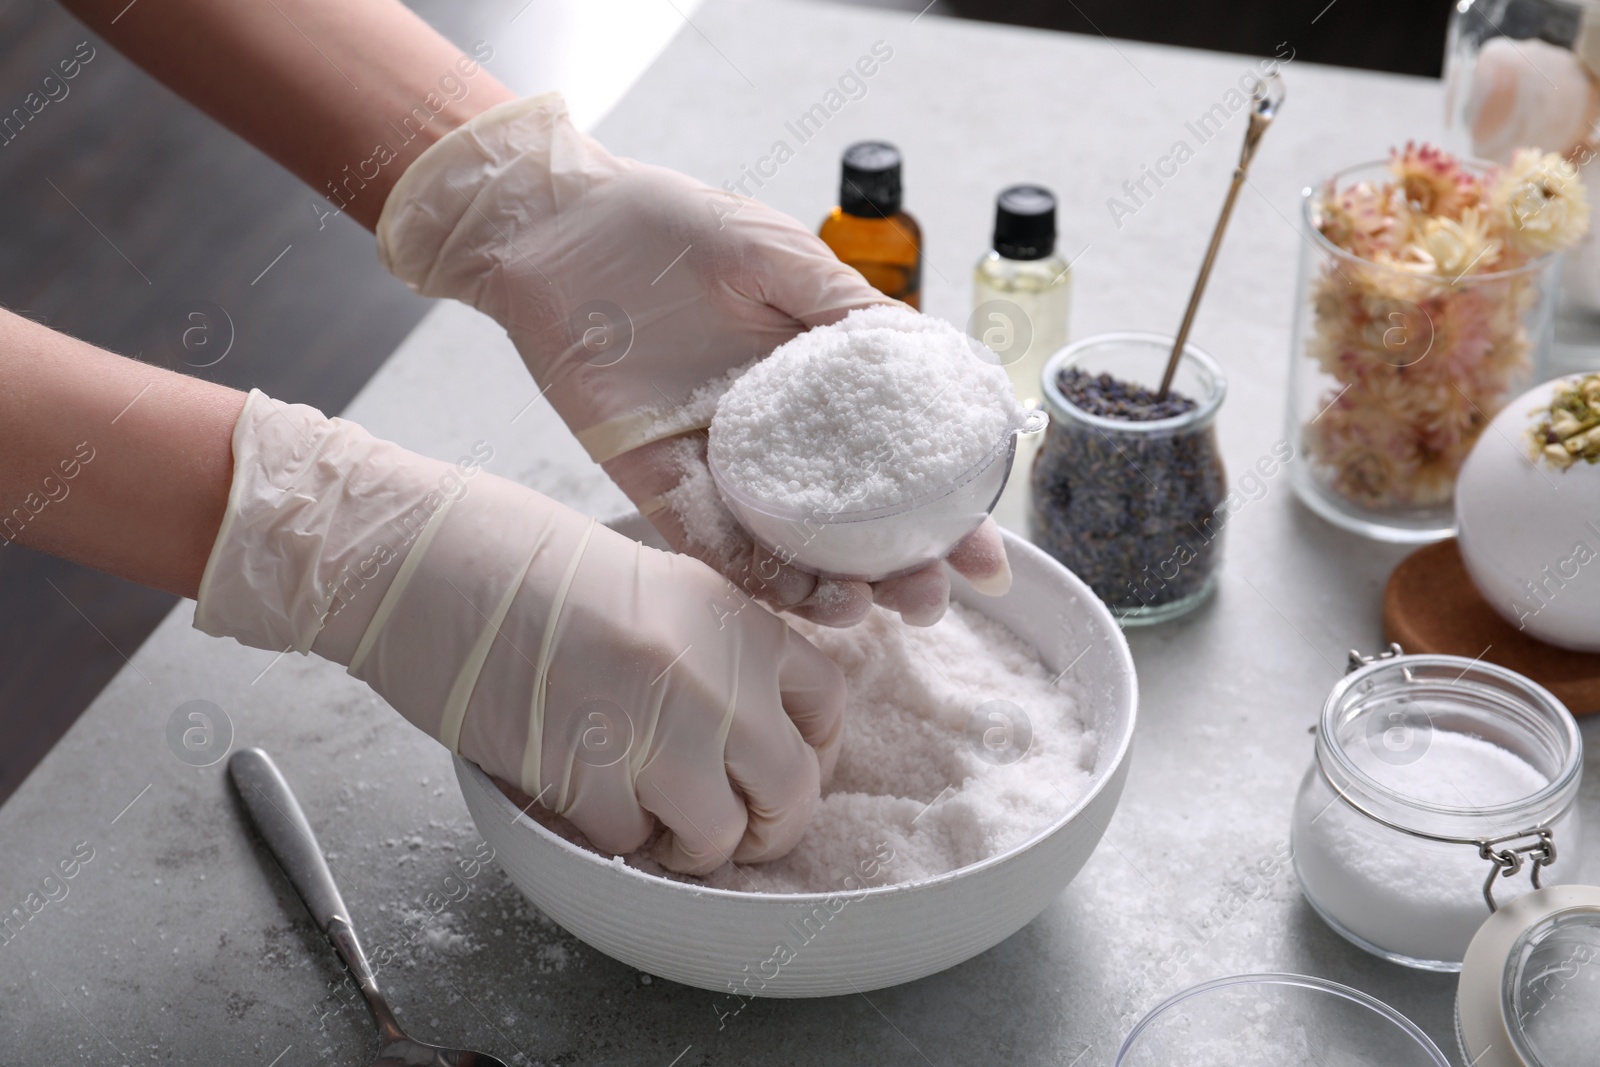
(1135, 509)
(1394, 374)
(1021, 300)
(1526, 74)
(1423, 764)
(1519, 74)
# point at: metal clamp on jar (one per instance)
(1437, 779)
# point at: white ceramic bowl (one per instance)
(1529, 533)
(872, 544)
(883, 936)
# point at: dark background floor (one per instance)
(126, 211)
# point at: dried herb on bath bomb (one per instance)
(1134, 510)
(1570, 429)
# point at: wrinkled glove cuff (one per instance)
(421, 227)
(316, 513)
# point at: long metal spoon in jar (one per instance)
(1265, 102)
(283, 826)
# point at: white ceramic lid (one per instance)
(1529, 994)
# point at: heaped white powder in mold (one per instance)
(811, 425)
(911, 796)
(1417, 898)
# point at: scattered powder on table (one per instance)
(913, 796)
(877, 409)
(440, 933)
(1418, 898)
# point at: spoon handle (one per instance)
(283, 826)
(276, 813)
(1199, 289)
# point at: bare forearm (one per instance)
(110, 462)
(343, 94)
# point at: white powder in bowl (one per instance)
(921, 788)
(883, 407)
(1412, 897)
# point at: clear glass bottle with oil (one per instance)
(1021, 301)
(869, 229)
(1022, 289)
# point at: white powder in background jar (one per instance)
(883, 407)
(913, 795)
(1412, 897)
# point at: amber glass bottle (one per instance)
(869, 230)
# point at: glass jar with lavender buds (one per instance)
(1128, 488)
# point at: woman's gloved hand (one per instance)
(595, 674)
(632, 291)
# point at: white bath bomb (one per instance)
(1530, 531)
(1529, 94)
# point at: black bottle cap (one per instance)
(1025, 222)
(870, 185)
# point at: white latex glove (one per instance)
(559, 656)
(631, 291)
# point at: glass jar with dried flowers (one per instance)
(1424, 304)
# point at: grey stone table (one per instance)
(178, 942)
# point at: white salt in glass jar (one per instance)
(1441, 787)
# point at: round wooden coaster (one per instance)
(1431, 605)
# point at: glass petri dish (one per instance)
(1268, 1020)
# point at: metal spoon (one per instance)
(277, 815)
(1264, 104)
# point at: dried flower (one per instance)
(1452, 247)
(1434, 183)
(1540, 203)
(1370, 221)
